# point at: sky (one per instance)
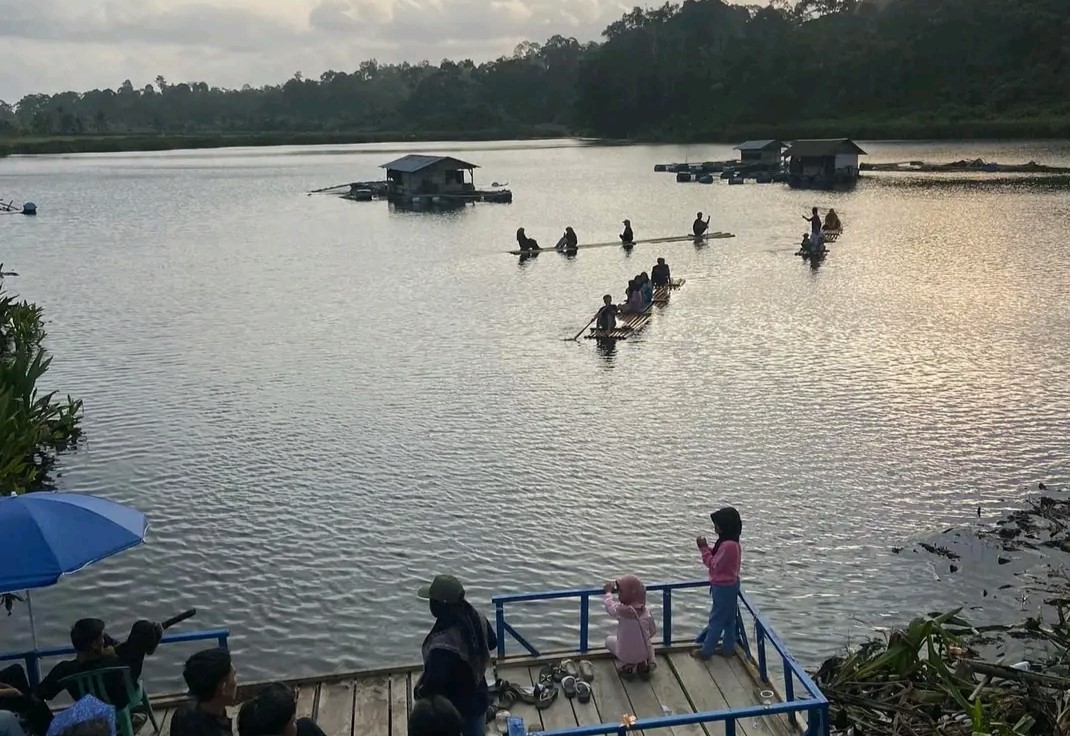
(57, 45)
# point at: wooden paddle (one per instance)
(577, 337)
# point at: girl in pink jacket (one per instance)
(633, 645)
(722, 561)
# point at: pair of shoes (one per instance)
(575, 687)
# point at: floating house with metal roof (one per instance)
(823, 162)
(762, 153)
(423, 180)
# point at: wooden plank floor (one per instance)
(378, 704)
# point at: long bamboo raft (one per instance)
(618, 244)
(631, 323)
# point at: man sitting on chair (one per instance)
(95, 650)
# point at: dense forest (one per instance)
(702, 69)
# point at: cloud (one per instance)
(56, 45)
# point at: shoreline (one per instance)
(898, 129)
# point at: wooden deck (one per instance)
(377, 703)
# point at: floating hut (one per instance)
(418, 180)
(766, 154)
(823, 162)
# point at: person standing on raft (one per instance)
(659, 274)
(607, 315)
(627, 237)
(700, 226)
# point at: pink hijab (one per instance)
(632, 595)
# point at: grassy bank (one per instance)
(923, 126)
(167, 142)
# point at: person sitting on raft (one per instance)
(635, 303)
(646, 288)
(700, 226)
(607, 315)
(627, 237)
(524, 241)
(832, 221)
(659, 274)
(568, 241)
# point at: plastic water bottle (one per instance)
(767, 700)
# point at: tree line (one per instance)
(696, 69)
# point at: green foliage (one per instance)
(696, 70)
(32, 426)
(920, 682)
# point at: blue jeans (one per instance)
(475, 725)
(722, 623)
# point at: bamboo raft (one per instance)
(631, 323)
(618, 244)
(378, 702)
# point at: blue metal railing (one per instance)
(33, 657)
(815, 705)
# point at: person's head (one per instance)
(211, 677)
(434, 716)
(88, 716)
(698, 216)
(569, 230)
(444, 594)
(631, 591)
(520, 232)
(87, 636)
(832, 212)
(645, 276)
(631, 285)
(273, 712)
(661, 261)
(814, 210)
(727, 523)
(627, 222)
(607, 299)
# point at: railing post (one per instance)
(33, 669)
(223, 643)
(585, 622)
(666, 616)
(729, 726)
(759, 636)
(789, 690)
(499, 627)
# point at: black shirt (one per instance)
(130, 653)
(699, 227)
(189, 720)
(659, 275)
(627, 235)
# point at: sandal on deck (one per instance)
(583, 692)
(545, 696)
(569, 685)
(507, 694)
(586, 670)
(568, 666)
(552, 673)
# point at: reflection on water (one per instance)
(321, 403)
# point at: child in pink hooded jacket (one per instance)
(633, 645)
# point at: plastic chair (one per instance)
(97, 683)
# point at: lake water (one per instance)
(320, 403)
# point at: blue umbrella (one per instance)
(44, 536)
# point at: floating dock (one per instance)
(760, 691)
(618, 244)
(683, 697)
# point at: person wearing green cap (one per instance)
(456, 653)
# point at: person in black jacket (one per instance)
(456, 654)
(94, 649)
